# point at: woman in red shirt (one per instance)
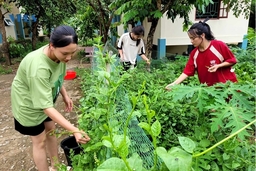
(212, 59)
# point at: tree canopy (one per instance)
(138, 10)
(48, 13)
(89, 16)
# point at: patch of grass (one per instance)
(5, 70)
(17, 60)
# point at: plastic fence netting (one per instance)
(140, 143)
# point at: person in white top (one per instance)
(130, 45)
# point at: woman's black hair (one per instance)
(138, 30)
(63, 36)
(202, 27)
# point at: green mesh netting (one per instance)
(140, 143)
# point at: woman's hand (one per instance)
(121, 58)
(168, 87)
(81, 137)
(148, 62)
(68, 103)
(213, 68)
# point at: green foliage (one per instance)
(136, 11)
(5, 71)
(232, 155)
(16, 49)
(48, 13)
(231, 108)
(204, 4)
(96, 107)
(239, 7)
(245, 68)
(92, 18)
(247, 55)
(192, 127)
(251, 36)
(20, 48)
(196, 103)
(175, 159)
(86, 22)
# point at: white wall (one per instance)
(229, 30)
(10, 30)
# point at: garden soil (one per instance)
(15, 148)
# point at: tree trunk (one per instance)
(150, 37)
(105, 36)
(5, 44)
(34, 34)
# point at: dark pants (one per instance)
(127, 65)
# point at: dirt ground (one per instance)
(15, 148)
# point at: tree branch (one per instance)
(166, 7)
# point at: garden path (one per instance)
(15, 149)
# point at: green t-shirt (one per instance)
(35, 87)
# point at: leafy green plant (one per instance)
(230, 156)
(230, 109)
(20, 48)
(193, 127)
(247, 55)
(5, 71)
(16, 49)
(251, 36)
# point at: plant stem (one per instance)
(222, 141)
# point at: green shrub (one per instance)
(5, 71)
(15, 49)
(191, 117)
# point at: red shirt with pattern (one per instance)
(216, 53)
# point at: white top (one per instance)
(131, 48)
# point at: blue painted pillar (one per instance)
(33, 18)
(12, 17)
(20, 26)
(138, 23)
(245, 42)
(161, 48)
(1, 38)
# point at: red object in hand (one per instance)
(70, 75)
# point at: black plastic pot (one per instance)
(68, 144)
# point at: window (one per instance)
(8, 22)
(215, 10)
